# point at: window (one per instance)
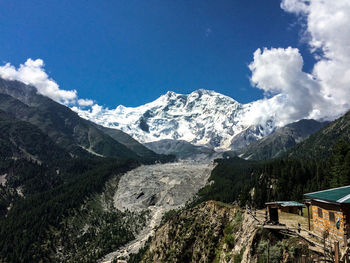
(319, 211)
(331, 217)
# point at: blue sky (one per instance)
(130, 52)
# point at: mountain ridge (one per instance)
(282, 139)
(203, 118)
(321, 144)
(20, 139)
(76, 135)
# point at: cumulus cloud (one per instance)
(85, 102)
(292, 94)
(90, 113)
(295, 94)
(32, 72)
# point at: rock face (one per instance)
(218, 232)
(203, 117)
(210, 231)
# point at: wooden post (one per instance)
(345, 229)
(303, 259)
(336, 251)
(324, 248)
(308, 215)
(344, 211)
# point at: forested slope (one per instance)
(321, 144)
(54, 165)
(321, 161)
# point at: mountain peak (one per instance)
(205, 91)
(171, 93)
(203, 117)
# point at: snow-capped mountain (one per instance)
(203, 117)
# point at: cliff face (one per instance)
(209, 232)
(220, 233)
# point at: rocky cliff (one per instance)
(220, 233)
(210, 231)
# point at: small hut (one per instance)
(273, 208)
(330, 213)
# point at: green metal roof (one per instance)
(339, 195)
(286, 203)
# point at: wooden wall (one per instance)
(288, 209)
(320, 225)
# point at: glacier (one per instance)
(203, 118)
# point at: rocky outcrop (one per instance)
(210, 231)
(221, 233)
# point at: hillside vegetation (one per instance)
(278, 142)
(24, 240)
(54, 168)
(286, 178)
(321, 144)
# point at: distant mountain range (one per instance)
(189, 126)
(203, 118)
(201, 124)
(51, 162)
(276, 144)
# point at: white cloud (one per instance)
(85, 102)
(325, 93)
(32, 72)
(295, 93)
(92, 113)
(295, 6)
